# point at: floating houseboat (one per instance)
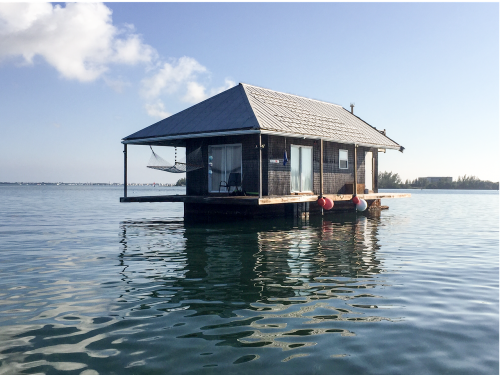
(253, 152)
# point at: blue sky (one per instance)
(77, 78)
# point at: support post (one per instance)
(125, 170)
(260, 166)
(321, 168)
(355, 192)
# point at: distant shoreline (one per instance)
(88, 184)
(174, 185)
(418, 188)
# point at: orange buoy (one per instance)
(321, 202)
(355, 200)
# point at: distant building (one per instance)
(433, 180)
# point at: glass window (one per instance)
(301, 163)
(343, 155)
(222, 160)
(295, 167)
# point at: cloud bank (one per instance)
(79, 40)
(82, 44)
(179, 77)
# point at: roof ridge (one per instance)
(285, 93)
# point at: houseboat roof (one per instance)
(247, 109)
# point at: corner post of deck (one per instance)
(125, 170)
(355, 192)
(321, 167)
(260, 165)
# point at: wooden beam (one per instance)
(125, 170)
(260, 165)
(321, 167)
(355, 192)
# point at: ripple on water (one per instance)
(390, 293)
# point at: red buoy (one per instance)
(328, 204)
(321, 202)
(355, 200)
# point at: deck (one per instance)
(256, 201)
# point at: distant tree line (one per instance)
(389, 180)
(181, 182)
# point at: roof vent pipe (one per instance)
(352, 108)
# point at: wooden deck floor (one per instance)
(255, 201)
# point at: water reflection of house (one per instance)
(276, 288)
(252, 265)
(247, 134)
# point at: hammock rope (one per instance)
(193, 161)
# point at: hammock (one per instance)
(193, 161)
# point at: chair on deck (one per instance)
(233, 180)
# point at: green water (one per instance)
(91, 286)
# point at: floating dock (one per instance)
(210, 208)
(255, 200)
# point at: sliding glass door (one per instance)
(222, 160)
(301, 163)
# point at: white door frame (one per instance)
(300, 169)
(369, 170)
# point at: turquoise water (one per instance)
(91, 286)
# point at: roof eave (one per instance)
(153, 140)
(329, 139)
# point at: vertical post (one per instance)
(355, 170)
(125, 170)
(260, 166)
(321, 167)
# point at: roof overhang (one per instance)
(174, 139)
(167, 138)
(328, 139)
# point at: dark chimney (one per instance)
(352, 108)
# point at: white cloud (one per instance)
(181, 77)
(156, 109)
(195, 92)
(79, 40)
(172, 77)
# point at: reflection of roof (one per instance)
(250, 109)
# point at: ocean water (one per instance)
(91, 286)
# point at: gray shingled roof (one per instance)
(250, 109)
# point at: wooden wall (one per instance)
(276, 177)
(197, 181)
(334, 178)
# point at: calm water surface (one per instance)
(91, 286)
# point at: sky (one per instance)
(76, 78)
